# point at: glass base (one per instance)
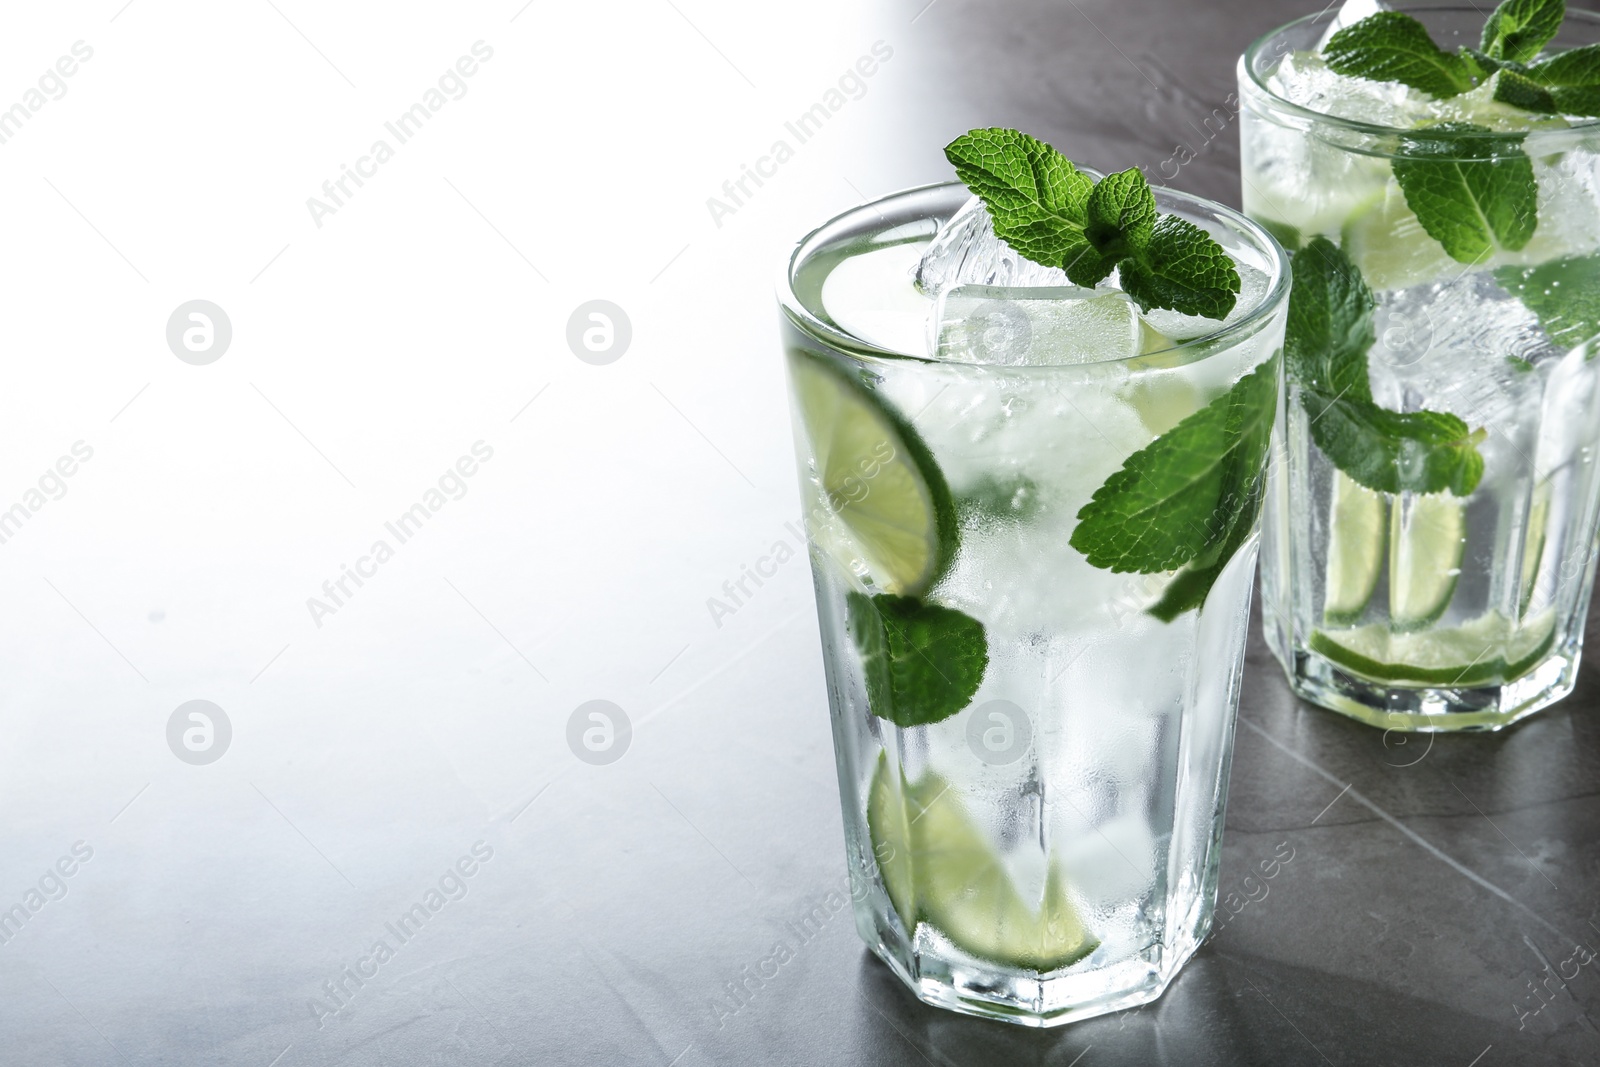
(1425, 709)
(946, 978)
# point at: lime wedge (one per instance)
(876, 475)
(1387, 243)
(1357, 534)
(1533, 544)
(1487, 650)
(1427, 538)
(938, 868)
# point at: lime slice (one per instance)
(1487, 650)
(1533, 544)
(1162, 400)
(890, 830)
(938, 867)
(1387, 243)
(1357, 534)
(1427, 538)
(877, 476)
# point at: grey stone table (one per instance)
(397, 856)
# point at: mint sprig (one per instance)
(1328, 335)
(1053, 214)
(1472, 195)
(921, 662)
(1392, 46)
(1188, 499)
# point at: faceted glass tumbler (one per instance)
(1436, 611)
(1049, 851)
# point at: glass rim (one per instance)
(1221, 339)
(1247, 61)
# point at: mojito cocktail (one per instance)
(1031, 507)
(1428, 550)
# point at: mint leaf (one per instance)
(1577, 100)
(1577, 67)
(921, 663)
(1051, 213)
(1181, 267)
(1573, 80)
(1394, 47)
(1190, 586)
(1518, 29)
(1326, 340)
(1394, 452)
(1180, 498)
(1121, 213)
(1471, 195)
(1564, 293)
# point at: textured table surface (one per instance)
(397, 770)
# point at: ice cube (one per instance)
(1304, 78)
(1013, 326)
(966, 251)
(1467, 347)
(1350, 12)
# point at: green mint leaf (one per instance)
(1518, 29)
(1036, 197)
(1577, 100)
(922, 663)
(1326, 340)
(1519, 90)
(1180, 498)
(1393, 452)
(1472, 195)
(1394, 47)
(1190, 586)
(1564, 293)
(1576, 67)
(1010, 498)
(1053, 214)
(1182, 268)
(1573, 80)
(1121, 213)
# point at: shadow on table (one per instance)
(1224, 1009)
